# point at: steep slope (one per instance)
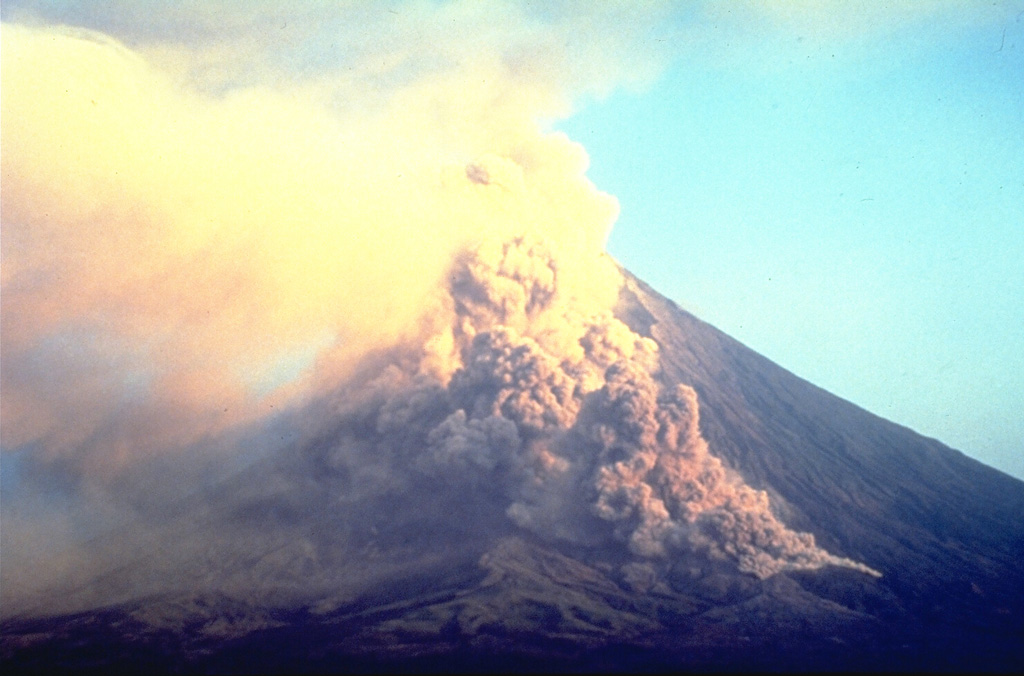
(595, 508)
(946, 531)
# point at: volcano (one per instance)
(543, 487)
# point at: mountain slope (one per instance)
(512, 520)
(905, 504)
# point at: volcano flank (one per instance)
(546, 484)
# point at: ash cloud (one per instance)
(483, 424)
(216, 235)
(525, 407)
(580, 444)
(608, 452)
(201, 229)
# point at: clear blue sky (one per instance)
(844, 193)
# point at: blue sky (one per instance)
(844, 194)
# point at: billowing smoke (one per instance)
(604, 450)
(181, 256)
(219, 221)
(562, 416)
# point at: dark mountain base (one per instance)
(528, 608)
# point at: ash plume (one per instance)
(209, 247)
(563, 415)
(601, 436)
(196, 256)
